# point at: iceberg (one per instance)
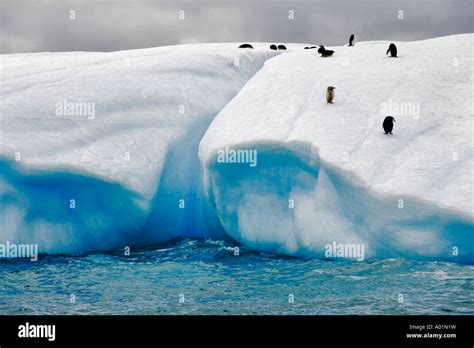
(327, 173)
(99, 151)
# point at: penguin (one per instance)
(273, 47)
(310, 48)
(281, 47)
(393, 50)
(330, 94)
(388, 124)
(324, 52)
(246, 46)
(352, 40)
(327, 53)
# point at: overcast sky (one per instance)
(109, 25)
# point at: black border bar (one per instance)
(242, 330)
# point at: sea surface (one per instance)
(207, 277)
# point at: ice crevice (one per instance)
(145, 168)
(130, 175)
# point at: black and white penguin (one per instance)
(388, 124)
(392, 49)
(324, 52)
(352, 40)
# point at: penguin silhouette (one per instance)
(393, 50)
(352, 40)
(281, 47)
(388, 124)
(273, 47)
(324, 52)
(246, 46)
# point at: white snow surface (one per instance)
(145, 168)
(409, 193)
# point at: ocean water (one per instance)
(205, 277)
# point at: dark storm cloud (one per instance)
(109, 25)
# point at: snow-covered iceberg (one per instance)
(100, 150)
(103, 150)
(327, 173)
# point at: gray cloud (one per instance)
(109, 25)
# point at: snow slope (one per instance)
(126, 165)
(328, 173)
(133, 170)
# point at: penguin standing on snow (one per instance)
(330, 94)
(388, 124)
(392, 49)
(352, 40)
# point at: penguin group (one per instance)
(391, 51)
(279, 47)
(387, 124)
(272, 47)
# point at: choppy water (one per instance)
(212, 280)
